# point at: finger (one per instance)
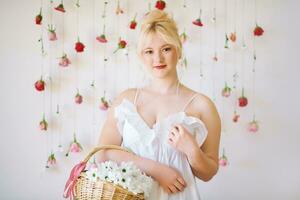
(174, 130)
(182, 181)
(179, 127)
(179, 186)
(172, 134)
(173, 188)
(167, 190)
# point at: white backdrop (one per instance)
(261, 166)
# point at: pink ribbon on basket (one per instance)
(70, 185)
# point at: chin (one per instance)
(160, 73)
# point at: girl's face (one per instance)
(159, 57)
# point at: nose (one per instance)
(158, 57)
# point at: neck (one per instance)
(165, 86)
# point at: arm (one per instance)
(171, 183)
(204, 160)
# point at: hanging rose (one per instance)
(64, 60)
(40, 85)
(215, 58)
(160, 4)
(198, 22)
(232, 37)
(133, 23)
(223, 161)
(119, 10)
(183, 37)
(235, 117)
(75, 146)
(258, 31)
(93, 165)
(51, 33)
(51, 160)
(39, 18)
(121, 45)
(43, 124)
(104, 104)
(253, 126)
(79, 47)
(226, 42)
(60, 7)
(101, 38)
(226, 91)
(243, 101)
(78, 98)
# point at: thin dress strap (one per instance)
(136, 95)
(189, 101)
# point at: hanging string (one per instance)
(50, 141)
(225, 52)
(254, 64)
(116, 55)
(60, 148)
(76, 68)
(201, 55)
(43, 54)
(235, 15)
(234, 43)
(215, 52)
(253, 84)
(242, 24)
(93, 135)
(105, 59)
(127, 49)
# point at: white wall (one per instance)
(262, 166)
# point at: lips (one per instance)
(160, 66)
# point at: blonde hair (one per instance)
(157, 21)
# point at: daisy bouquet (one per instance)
(126, 175)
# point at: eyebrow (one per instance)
(160, 47)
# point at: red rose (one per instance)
(121, 45)
(79, 47)
(243, 101)
(40, 85)
(38, 19)
(132, 24)
(258, 31)
(160, 5)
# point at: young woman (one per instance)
(173, 131)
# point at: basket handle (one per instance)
(71, 182)
(104, 147)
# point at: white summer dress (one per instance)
(152, 143)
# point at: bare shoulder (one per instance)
(204, 105)
(201, 105)
(128, 94)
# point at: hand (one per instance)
(181, 139)
(169, 179)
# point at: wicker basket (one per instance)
(85, 189)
